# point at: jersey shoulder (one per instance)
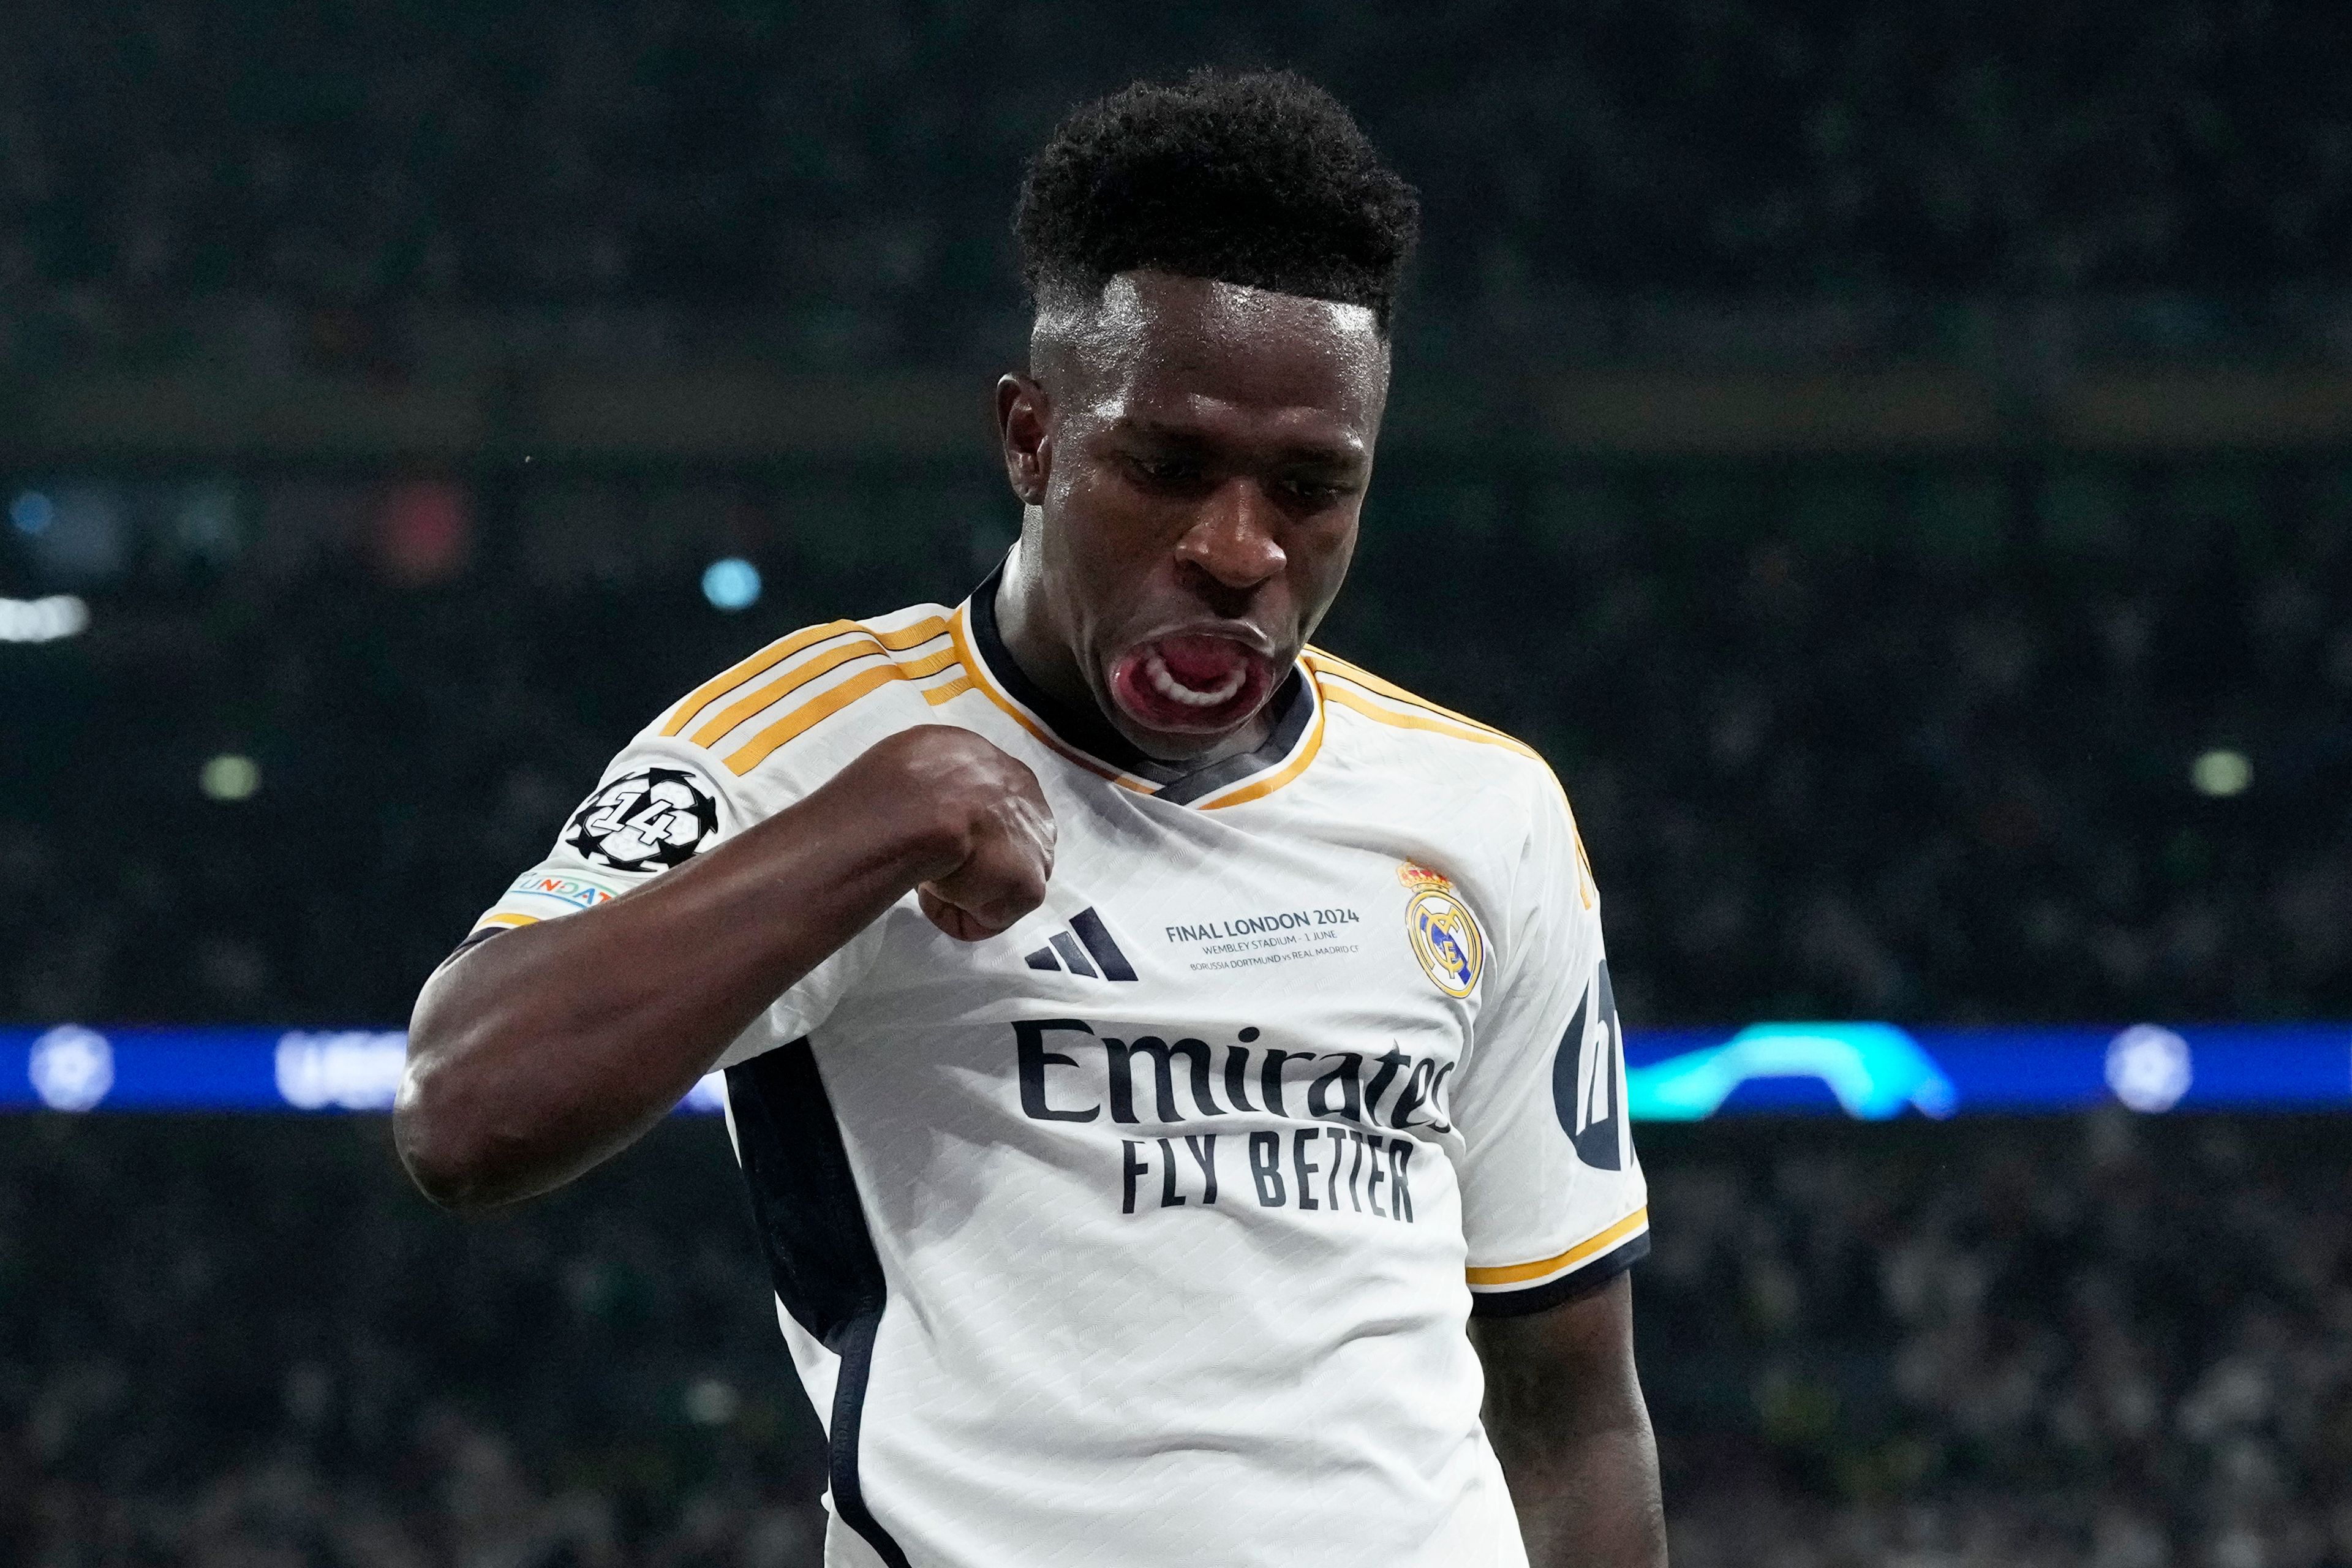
(838, 683)
(1427, 746)
(738, 747)
(1417, 728)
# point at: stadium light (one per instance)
(32, 512)
(2222, 774)
(712, 1402)
(42, 620)
(732, 585)
(230, 777)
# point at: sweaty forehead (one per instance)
(1159, 346)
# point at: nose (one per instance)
(1233, 539)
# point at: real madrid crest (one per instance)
(1444, 934)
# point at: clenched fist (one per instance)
(986, 833)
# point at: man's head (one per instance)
(1214, 266)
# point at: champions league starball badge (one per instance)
(1444, 934)
(644, 821)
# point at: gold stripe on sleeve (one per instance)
(802, 674)
(947, 690)
(792, 680)
(751, 669)
(775, 653)
(1335, 688)
(808, 715)
(1584, 1251)
(914, 636)
(929, 665)
(1390, 690)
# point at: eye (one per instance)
(1164, 473)
(1311, 494)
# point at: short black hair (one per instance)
(1259, 178)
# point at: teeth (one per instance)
(1155, 669)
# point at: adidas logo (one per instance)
(1086, 949)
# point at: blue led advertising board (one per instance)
(1871, 1071)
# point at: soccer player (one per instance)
(1150, 1042)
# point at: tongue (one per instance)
(1190, 684)
(1203, 663)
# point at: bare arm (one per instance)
(1565, 1413)
(534, 1056)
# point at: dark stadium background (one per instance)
(1874, 452)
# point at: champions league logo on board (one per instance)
(644, 821)
(1445, 935)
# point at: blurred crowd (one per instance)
(2109, 1342)
(246, 1344)
(854, 169)
(2031, 741)
(2102, 1342)
(2046, 741)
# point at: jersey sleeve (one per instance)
(1553, 1200)
(659, 803)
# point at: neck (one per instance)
(1034, 635)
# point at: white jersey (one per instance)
(1142, 1236)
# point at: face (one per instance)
(1194, 457)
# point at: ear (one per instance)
(1024, 432)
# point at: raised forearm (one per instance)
(535, 1056)
(1566, 1416)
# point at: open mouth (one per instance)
(1191, 683)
